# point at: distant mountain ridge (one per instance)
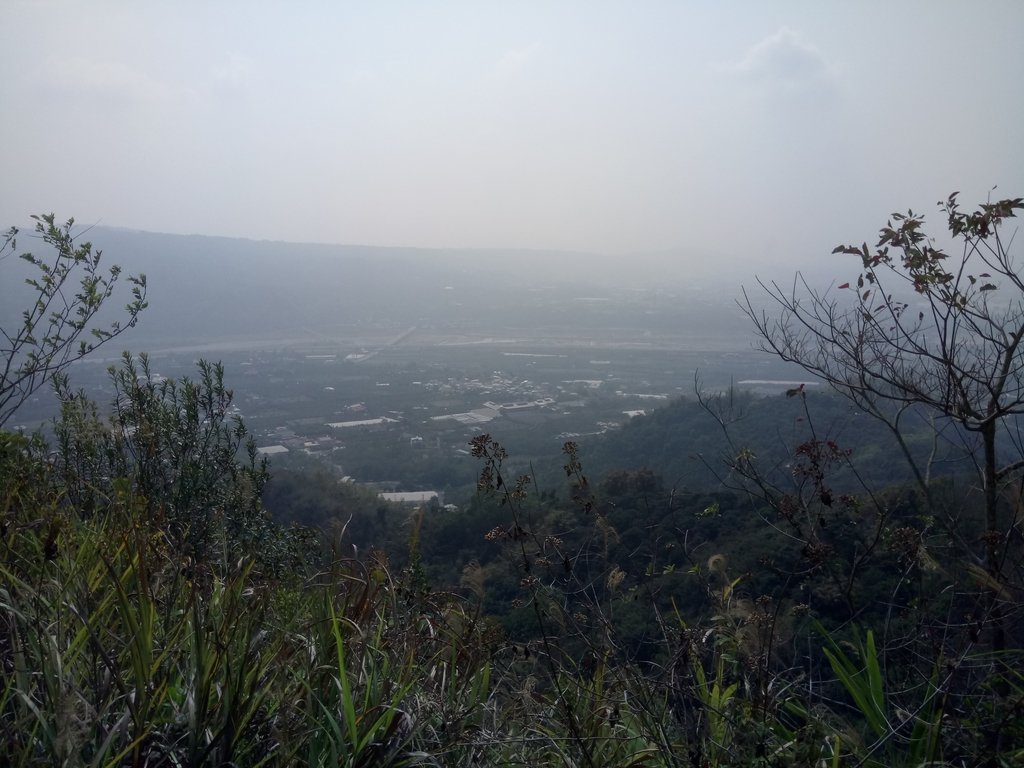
(207, 288)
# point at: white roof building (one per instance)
(410, 497)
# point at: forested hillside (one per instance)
(687, 444)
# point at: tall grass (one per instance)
(117, 651)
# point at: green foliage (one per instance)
(178, 446)
(315, 498)
(67, 289)
(110, 652)
(862, 680)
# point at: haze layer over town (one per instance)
(580, 189)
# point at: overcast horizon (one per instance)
(763, 133)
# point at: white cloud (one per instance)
(786, 61)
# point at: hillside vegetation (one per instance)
(801, 609)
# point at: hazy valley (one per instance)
(419, 342)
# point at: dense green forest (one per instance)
(811, 579)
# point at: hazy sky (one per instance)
(762, 130)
